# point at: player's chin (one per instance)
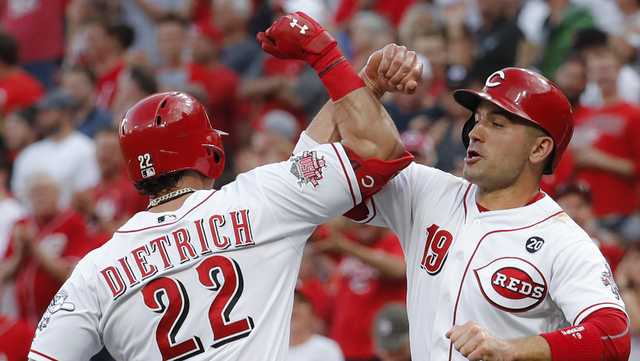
(472, 172)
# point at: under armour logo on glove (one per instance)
(303, 28)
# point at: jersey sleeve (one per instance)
(68, 329)
(321, 183)
(582, 282)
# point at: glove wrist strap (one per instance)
(337, 75)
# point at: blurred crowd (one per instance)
(69, 70)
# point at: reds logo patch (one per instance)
(308, 168)
(512, 284)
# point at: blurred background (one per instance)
(69, 69)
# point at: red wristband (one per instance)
(337, 75)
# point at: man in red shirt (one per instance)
(15, 339)
(105, 47)
(575, 199)
(114, 200)
(38, 26)
(606, 144)
(17, 88)
(44, 248)
(218, 80)
(370, 274)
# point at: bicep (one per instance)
(582, 282)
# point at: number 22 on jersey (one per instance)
(436, 249)
(175, 312)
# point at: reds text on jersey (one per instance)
(212, 280)
(517, 272)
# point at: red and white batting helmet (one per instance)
(529, 96)
(170, 132)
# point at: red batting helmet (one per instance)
(169, 132)
(527, 95)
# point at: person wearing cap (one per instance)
(64, 153)
(305, 342)
(391, 333)
(496, 270)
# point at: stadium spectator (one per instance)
(114, 199)
(144, 15)
(591, 40)
(15, 339)
(571, 77)
(103, 50)
(306, 343)
(80, 83)
(171, 37)
(370, 273)
(421, 145)
(239, 48)
(45, 246)
(450, 151)
(136, 83)
(369, 31)
(564, 21)
(19, 131)
(606, 145)
(391, 333)
(64, 153)
(575, 199)
(17, 88)
(38, 27)
(10, 209)
(219, 81)
(498, 39)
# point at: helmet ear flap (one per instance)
(468, 126)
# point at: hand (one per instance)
(296, 36)
(24, 236)
(475, 343)
(336, 244)
(391, 69)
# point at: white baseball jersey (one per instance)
(517, 272)
(212, 280)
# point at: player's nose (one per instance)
(477, 133)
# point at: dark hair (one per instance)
(156, 185)
(29, 114)
(144, 79)
(8, 49)
(580, 189)
(589, 38)
(86, 71)
(123, 33)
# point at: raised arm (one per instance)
(393, 68)
(357, 116)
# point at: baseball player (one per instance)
(495, 269)
(206, 274)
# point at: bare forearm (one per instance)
(534, 348)
(621, 166)
(56, 267)
(365, 126)
(389, 266)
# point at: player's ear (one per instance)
(541, 149)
